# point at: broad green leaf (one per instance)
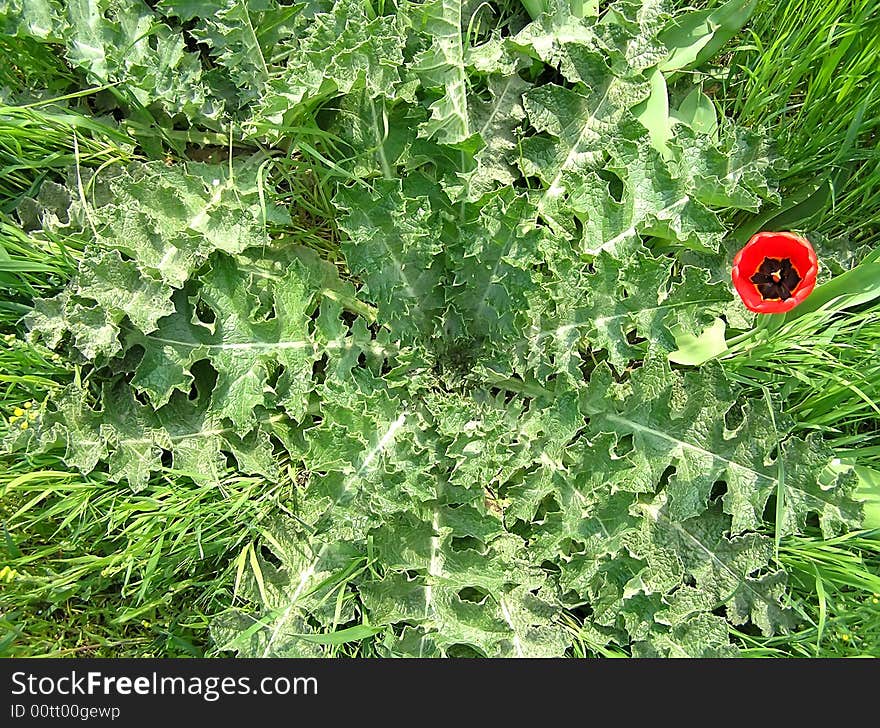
(395, 246)
(687, 426)
(37, 18)
(577, 127)
(119, 42)
(729, 572)
(579, 8)
(652, 202)
(868, 491)
(698, 112)
(695, 350)
(169, 220)
(617, 308)
(653, 113)
(697, 36)
(131, 438)
(442, 66)
(216, 323)
(331, 53)
(496, 122)
(242, 36)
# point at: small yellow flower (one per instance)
(28, 405)
(875, 600)
(32, 416)
(12, 419)
(7, 574)
(844, 637)
(24, 425)
(18, 411)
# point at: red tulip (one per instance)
(775, 272)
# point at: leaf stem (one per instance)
(351, 304)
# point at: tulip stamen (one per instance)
(776, 279)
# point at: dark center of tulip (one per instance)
(776, 279)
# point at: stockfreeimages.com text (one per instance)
(210, 688)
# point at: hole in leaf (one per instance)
(547, 505)
(463, 651)
(549, 566)
(348, 318)
(319, 368)
(205, 313)
(473, 594)
(689, 580)
(665, 476)
(583, 613)
(570, 546)
(527, 183)
(734, 417)
(615, 184)
(634, 364)
(270, 557)
(479, 87)
(204, 379)
(751, 629)
(769, 514)
(520, 528)
(167, 459)
(464, 543)
(719, 490)
(624, 446)
(634, 339)
(274, 375)
(278, 448)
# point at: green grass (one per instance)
(39, 140)
(29, 71)
(836, 585)
(42, 142)
(824, 368)
(808, 73)
(145, 570)
(87, 566)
